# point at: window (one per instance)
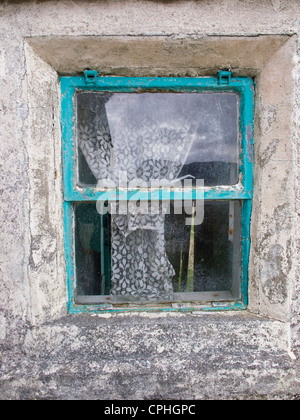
(157, 190)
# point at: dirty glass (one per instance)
(92, 250)
(186, 257)
(205, 257)
(158, 136)
(157, 139)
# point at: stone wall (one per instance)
(47, 353)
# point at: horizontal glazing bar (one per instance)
(179, 297)
(107, 308)
(213, 194)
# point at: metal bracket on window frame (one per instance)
(224, 77)
(90, 77)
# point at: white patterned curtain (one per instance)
(149, 137)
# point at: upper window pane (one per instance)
(154, 136)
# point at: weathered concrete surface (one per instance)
(44, 352)
(158, 55)
(156, 356)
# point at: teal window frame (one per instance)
(242, 191)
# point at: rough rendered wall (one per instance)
(46, 353)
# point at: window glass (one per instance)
(92, 250)
(158, 135)
(171, 257)
(205, 256)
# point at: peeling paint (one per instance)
(205, 355)
(249, 137)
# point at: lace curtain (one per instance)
(149, 137)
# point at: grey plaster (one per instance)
(46, 353)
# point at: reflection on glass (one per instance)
(206, 257)
(202, 257)
(158, 136)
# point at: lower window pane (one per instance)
(162, 257)
(92, 250)
(206, 256)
